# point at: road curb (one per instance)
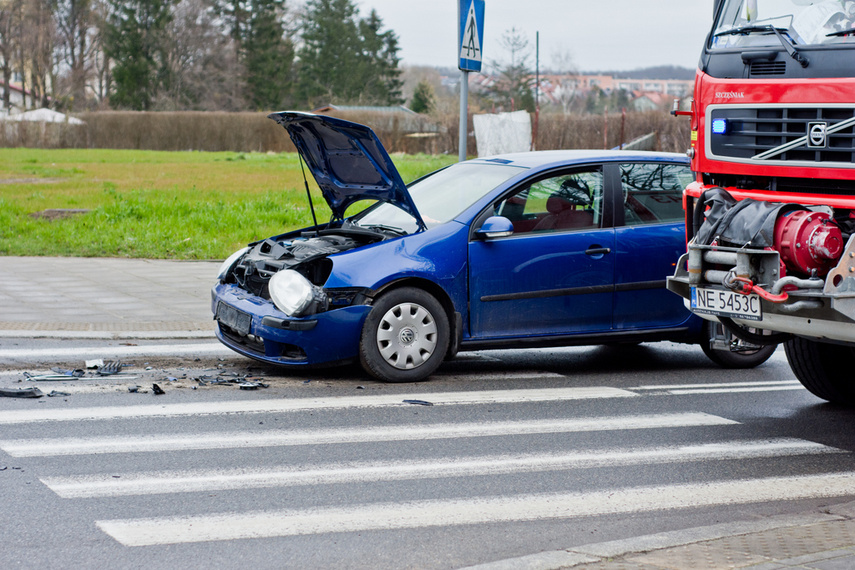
(603, 551)
(107, 335)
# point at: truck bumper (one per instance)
(821, 309)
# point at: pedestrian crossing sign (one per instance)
(471, 34)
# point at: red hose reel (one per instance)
(808, 242)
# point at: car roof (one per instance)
(543, 158)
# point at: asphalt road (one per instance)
(520, 452)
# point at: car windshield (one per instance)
(749, 23)
(441, 196)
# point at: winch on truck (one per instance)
(770, 217)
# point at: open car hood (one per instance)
(348, 162)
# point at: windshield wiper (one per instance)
(841, 33)
(768, 29)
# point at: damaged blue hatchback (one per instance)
(551, 248)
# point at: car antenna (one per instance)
(308, 193)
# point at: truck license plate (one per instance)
(724, 303)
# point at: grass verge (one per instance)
(158, 205)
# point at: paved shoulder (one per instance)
(55, 297)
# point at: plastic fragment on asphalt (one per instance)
(96, 363)
(418, 402)
(21, 392)
(76, 373)
(57, 393)
(157, 390)
(252, 385)
(49, 378)
(110, 368)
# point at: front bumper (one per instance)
(819, 309)
(272, 336)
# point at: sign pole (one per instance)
(470, 40)
(464, 116)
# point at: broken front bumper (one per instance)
(254, 327)
(823, 309)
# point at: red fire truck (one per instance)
(770, 218)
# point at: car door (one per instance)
(649, 238)
(555, 273)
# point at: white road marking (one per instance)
(724, 387)
(720, 385)
(736, 390)
(228, 440)
(154, 483)
(306, 404)
(482, 510)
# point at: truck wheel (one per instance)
(405, 336)
(741, 355)
(822, 369)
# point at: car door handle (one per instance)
(597, 251)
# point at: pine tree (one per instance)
(267, 55)
(380, 62)
(345, 59)
(135, 37)
(424, 98)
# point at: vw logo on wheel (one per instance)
(407, 336)
(817, 136)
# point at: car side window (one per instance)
(569, 201)
(653, 193)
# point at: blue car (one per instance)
(550, 248)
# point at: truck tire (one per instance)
(822, 369)
(733, 358)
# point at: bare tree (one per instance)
(8, 41)
(75, 25)
(564, 66)
(203, 60)
(38, 54)
(515, 79)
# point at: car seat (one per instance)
(563, 208)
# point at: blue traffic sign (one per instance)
(471, 34)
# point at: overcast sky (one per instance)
(598, 34)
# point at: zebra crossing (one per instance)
(512, 447)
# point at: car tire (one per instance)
(822, 369)
(405, 336)
(732, 358)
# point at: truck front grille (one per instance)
(791, 136)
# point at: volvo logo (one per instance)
(817, 135)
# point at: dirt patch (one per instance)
(52, 214)
(30, 180)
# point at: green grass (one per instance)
(159, 205)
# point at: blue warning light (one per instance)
(719, 126)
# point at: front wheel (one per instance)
(823, 368)
(727, 351)
(405, 336)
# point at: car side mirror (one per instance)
(495, 227)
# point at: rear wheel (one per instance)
(823, 368)
(727, 351)
(405, 336)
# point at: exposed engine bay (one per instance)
(306, 253)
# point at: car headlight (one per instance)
(229, 262)
(290, 292)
